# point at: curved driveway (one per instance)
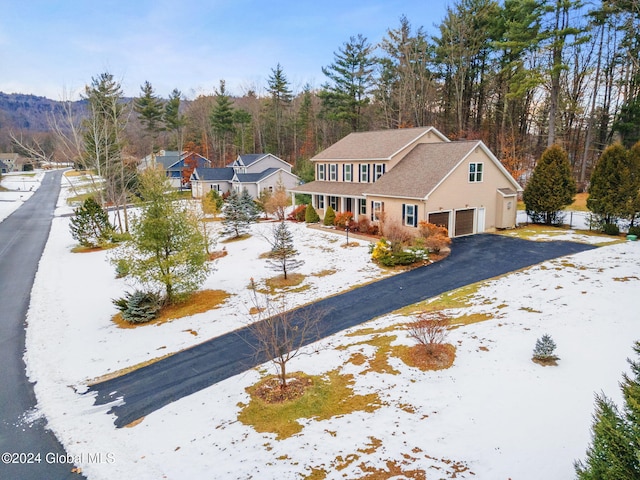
(473, 258)
(23, 236)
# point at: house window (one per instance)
(475, 172)
(333, 202)
(364, 173)
(319, 201)
(410, 215)
(215, 187)
(347, 174)
(376, 210)
(321, 175)
(362, 206)
(333, 172)
(379, 171)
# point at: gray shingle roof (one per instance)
(381, 144)
(333, 188)
(250, 158)
(255, 177)
(214, 174)
(422, 169)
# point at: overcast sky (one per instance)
(53, 47)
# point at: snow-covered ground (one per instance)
(493, 415)
(20, 186)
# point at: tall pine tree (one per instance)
(351, 79)
(551, 187)
(149, 109)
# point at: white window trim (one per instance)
(333, 172)
(477, 175)
(362, 206)
(378, 207)
(378, 171)
(364, 172)
(321, 171)
(347, 172)
(413, 215)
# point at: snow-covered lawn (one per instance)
(20, 186)
(494, 414)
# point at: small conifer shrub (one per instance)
(310, 215)
(139, 306)
(329, 217)
(90, 224)
(543, 353)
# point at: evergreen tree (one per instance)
(551, 187)
(167, 248)
(329, 216)
(222, 120)
(150, 111)
(90, 224)
(615, 439)
(242, 119)
(351, 77)
(174, 121)
(283, 254)
(281, 95)
(310, 214)
(239, 211)
(615, 181)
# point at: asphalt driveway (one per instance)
(33, 451)
(473, 258)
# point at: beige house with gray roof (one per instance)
(412, 175)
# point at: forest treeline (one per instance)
(519, 74)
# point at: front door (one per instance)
(348, 202)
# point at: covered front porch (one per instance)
(341, 197)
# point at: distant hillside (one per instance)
(28, 112)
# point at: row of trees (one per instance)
(519, 74)
(614, 190)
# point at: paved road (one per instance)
(474, 258)
(23, 236)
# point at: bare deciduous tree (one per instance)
(280, 333)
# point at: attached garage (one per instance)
(464, 222)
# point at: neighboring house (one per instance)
(412, 175)
(10, 161)
(252, 172)
(174, 165)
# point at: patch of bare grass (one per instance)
(328, 396)
(199, 302)
(324, 273)
(236, 239)
(436, 357)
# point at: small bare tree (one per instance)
(430, 329)
(279, 333)
(278, 202)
